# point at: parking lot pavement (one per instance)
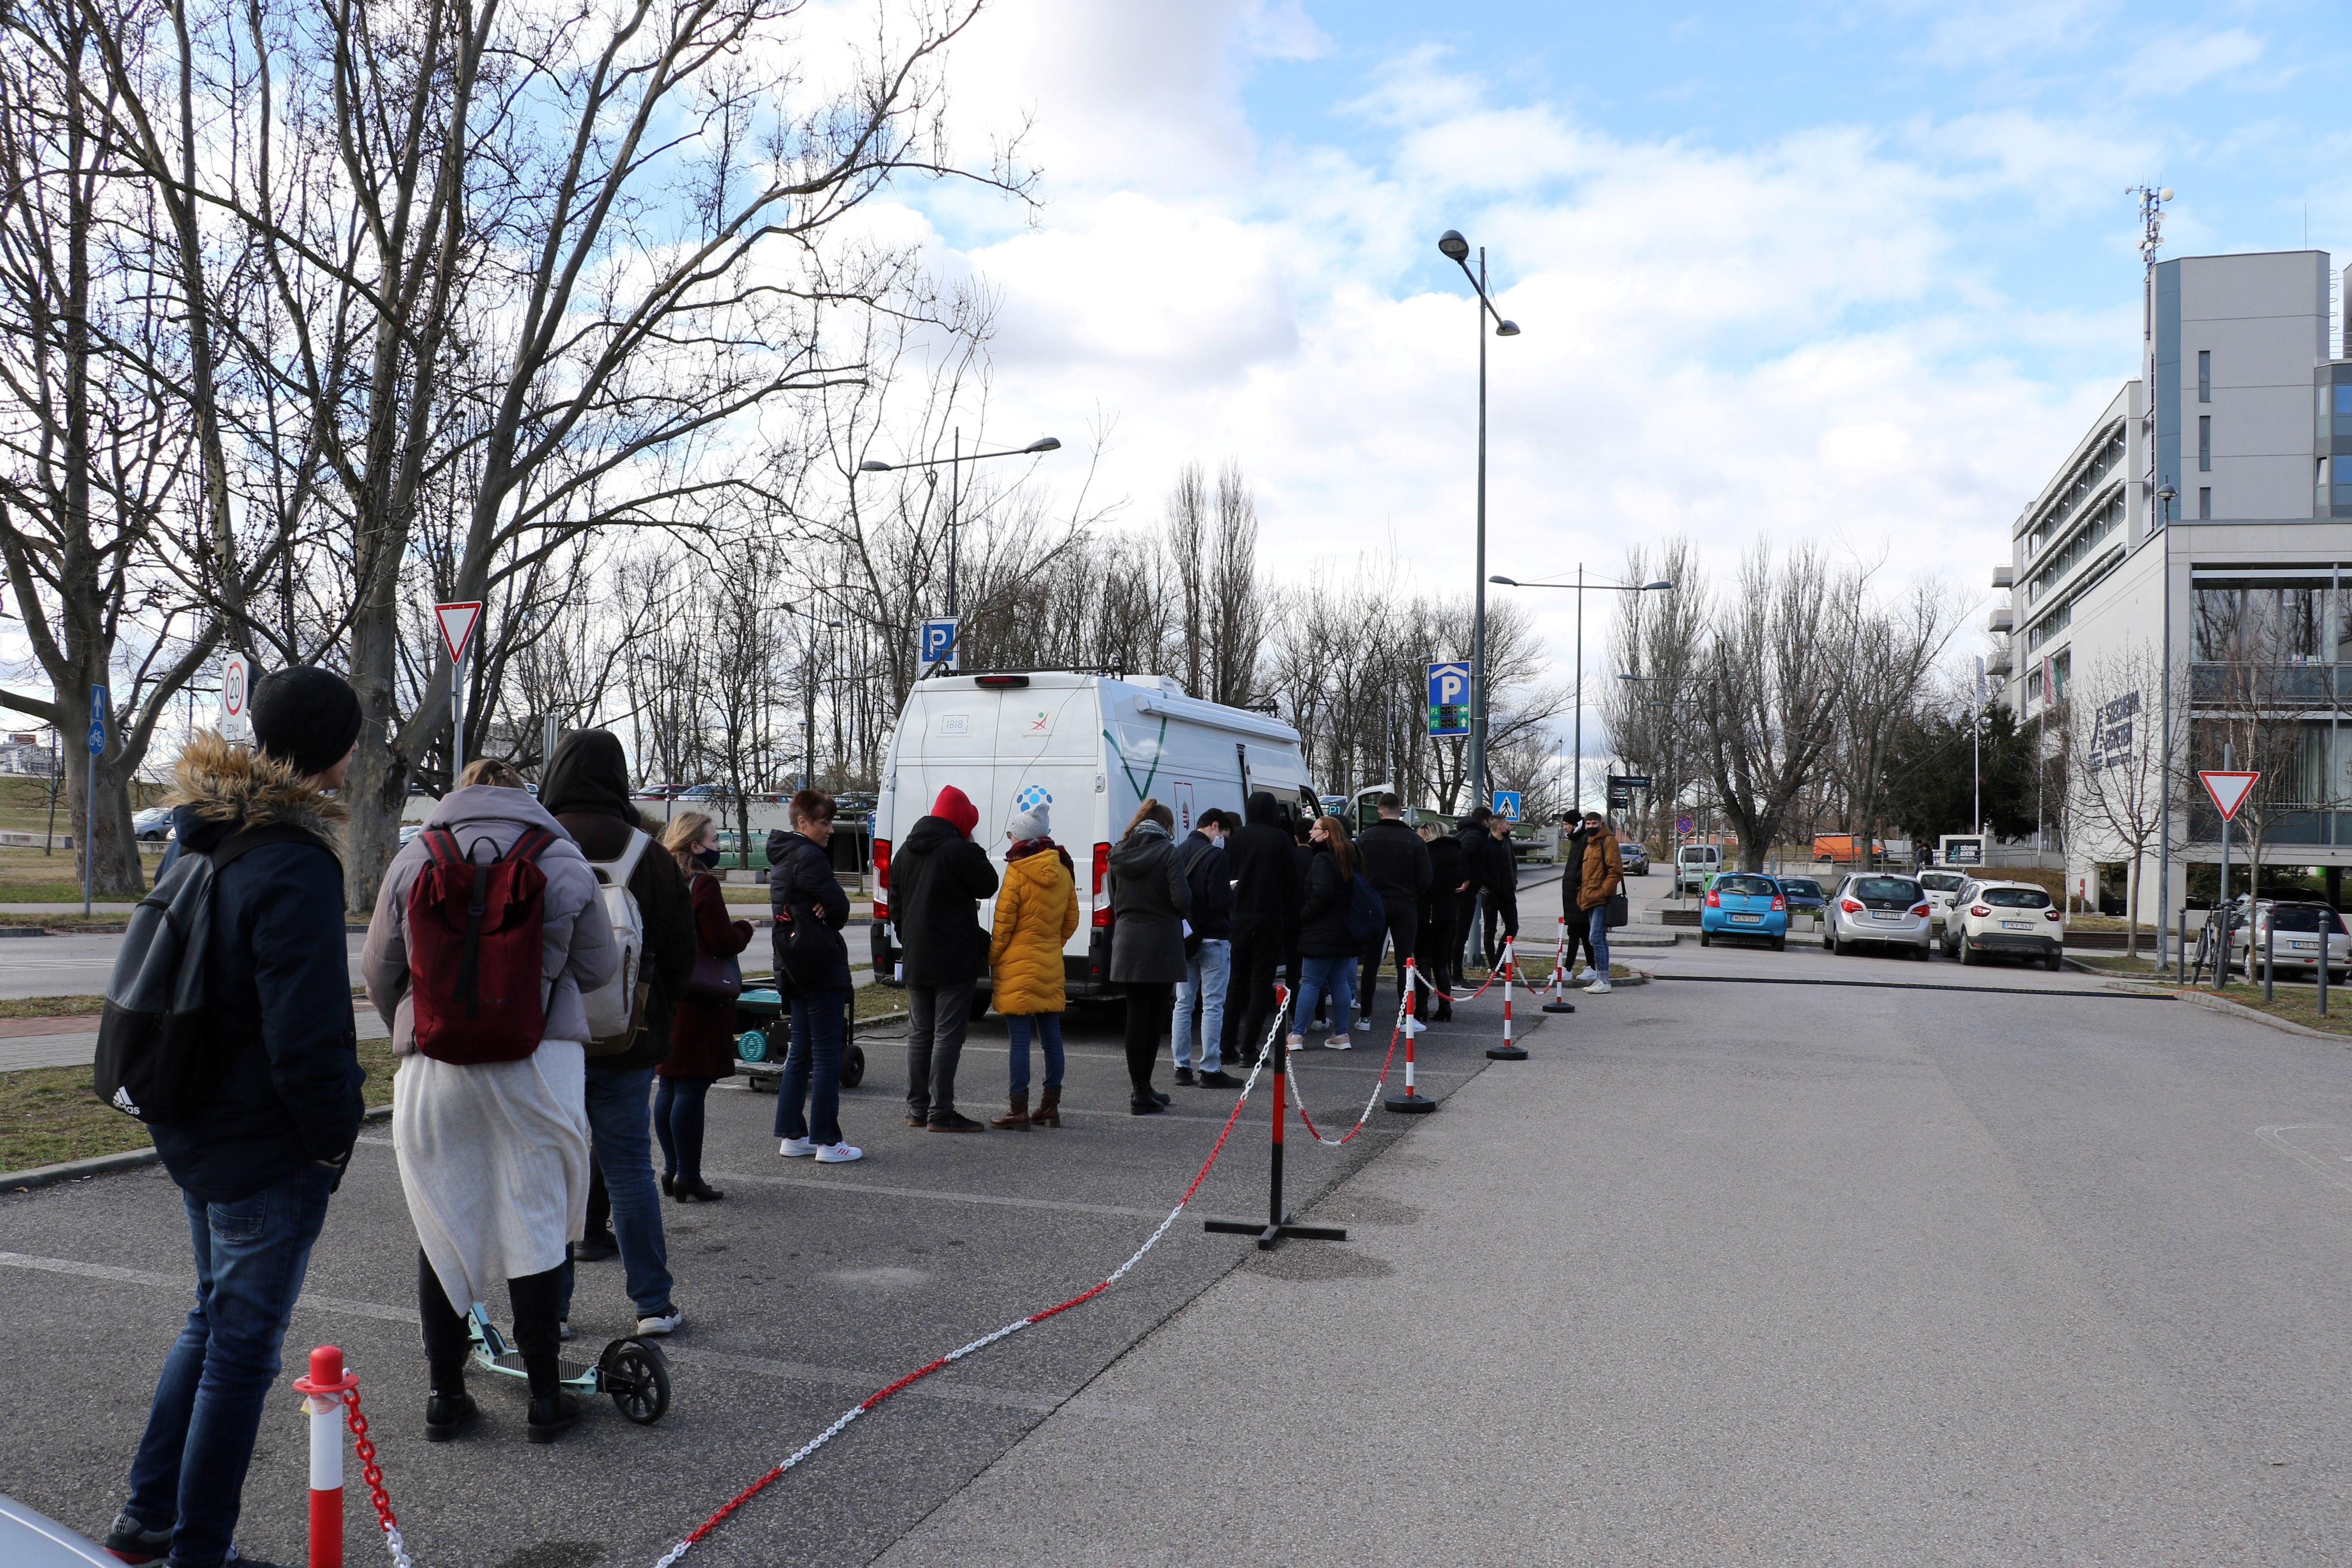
(1856, 1276)
(807, 1288)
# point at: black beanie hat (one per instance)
(304, 717)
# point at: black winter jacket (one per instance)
(802, 887)
(1445, 878)
(1323, 923)
(1266, 890)
(1571, 879)
(938, 877)
(1396, 862)
(276, 982)
(1487, 861)
(1209, 874)
(587, 791)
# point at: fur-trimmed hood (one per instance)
(215, 783)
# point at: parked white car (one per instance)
(1694, 864)
(1943, 887)
(2014, 918)
(2298, 935)
(1874, 907)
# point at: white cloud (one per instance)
(2178, 61)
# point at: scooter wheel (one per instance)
(853, 1066)
(637, 1377)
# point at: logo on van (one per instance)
(1032, 797)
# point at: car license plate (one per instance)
(2305, 946)
(1884, 915)
(1747, 919)
(2017, 925)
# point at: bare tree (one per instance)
(1660, 641)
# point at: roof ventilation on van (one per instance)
(985, 680)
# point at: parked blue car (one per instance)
(1742, 904)
(1804, 895)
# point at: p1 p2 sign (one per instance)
(2229, 790)
(936, 643)
(1449, 697)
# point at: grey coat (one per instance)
(576, 945)
(1148, 900)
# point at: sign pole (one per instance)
(98, 703)
(458, 620)
(457, 719)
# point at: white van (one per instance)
(1694, 864)
(1092, 747)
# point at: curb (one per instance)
(2213, 1004)
(105, 1165)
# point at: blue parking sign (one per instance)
(1449, 697)
(937, 642)
(1507, 805)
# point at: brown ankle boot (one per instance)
(1016, 1117)
(1049, 1109)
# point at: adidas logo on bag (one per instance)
(124, 1103)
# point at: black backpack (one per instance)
(157, 1058)
(1367, 914)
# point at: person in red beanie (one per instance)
(937, 879)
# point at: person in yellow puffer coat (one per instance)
(1037, 910)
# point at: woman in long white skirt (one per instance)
(494, 1155)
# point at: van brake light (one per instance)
(1102, 875)
(881, 878)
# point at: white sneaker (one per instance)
(838, 1154)
(1338, 1043)
(661, 1324)
(795, 1148)
(1598, 988)
(1295, 1042)
(1586, 974)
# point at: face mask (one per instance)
(707, 857)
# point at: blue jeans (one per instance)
(1049, 1035)
(223, 1370)
(809, 1094)
(1205, 974)
(1600, 934)
(622, 1132)
(678, 1122)
(1334, 977)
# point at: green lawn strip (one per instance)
(48, 1115)
(52, 1007)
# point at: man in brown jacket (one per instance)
(1602, 874)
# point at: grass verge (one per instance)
(48, 1114)
(51, 1006)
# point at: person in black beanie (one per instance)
(255, 1167)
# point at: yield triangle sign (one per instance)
(457, 625)
(2229, 790)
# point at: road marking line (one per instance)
(1914, 986)
(2276, 1138)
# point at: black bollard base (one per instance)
(1410, 1104)
(1507, 1054)
(1268, 1234)
(1559, 1007)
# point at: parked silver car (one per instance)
(1873, 906)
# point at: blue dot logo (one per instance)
(1032, 797)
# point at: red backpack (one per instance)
(474, 952)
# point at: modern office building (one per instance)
(2208, 508)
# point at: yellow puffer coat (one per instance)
(1037, 910)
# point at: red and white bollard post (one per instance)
(323, 1398)
(1560, 1002)
(1410, 1102)
(1506, 1051)
(1278, 1222)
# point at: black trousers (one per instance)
(1150, 1004)
(600, 1201)
(1398, 938)
(1501, 908)
(536, 1300)
(1249, 991)
(1435, 949)
(1465, 927)
(1579, 935)
(936, 1018)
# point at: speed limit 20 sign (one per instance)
(236, 697)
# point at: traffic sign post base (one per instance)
(1507, 1053)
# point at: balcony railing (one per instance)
(2272, 685)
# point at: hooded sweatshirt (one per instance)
(277, 980)
(577, 952)
(938, 877)
(1266, 889)
(587, 791)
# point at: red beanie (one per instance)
(955, 806)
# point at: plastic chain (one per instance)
(1299, 1096)
(373, 1474)
(1272, 1044)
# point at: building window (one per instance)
(2204, 375)
(2204, 443)
(2257, 624)
(2204, 503)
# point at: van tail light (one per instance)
(1780, 904)
(2050, 914)
(1851, 906)
(881, 878)
(1102, 875)
(1979, 911)
(1918, 909)
(1714, 899)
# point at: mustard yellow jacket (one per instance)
(1037, 910)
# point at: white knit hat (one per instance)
(1032, 823)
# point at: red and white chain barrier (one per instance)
(331, 1395)
(1272, 1044)
(1407, 1026)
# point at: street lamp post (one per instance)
(1578, 587)
(2160, 491)
(1456, 249)
(956, 459)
